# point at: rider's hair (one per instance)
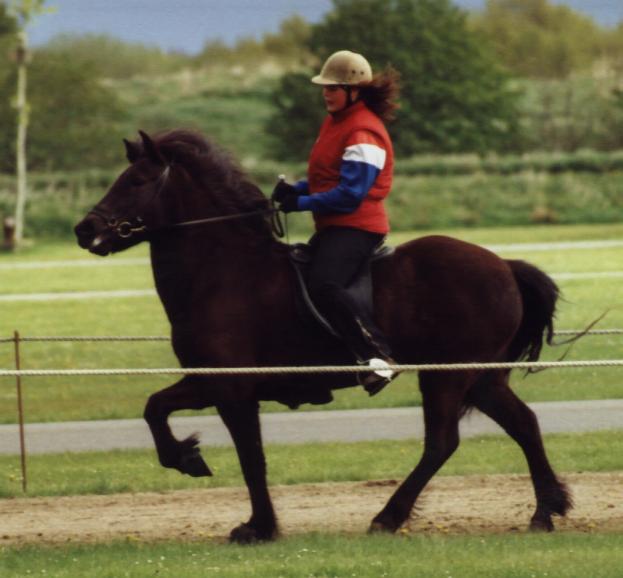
(381, 94)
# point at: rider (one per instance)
(349, 175)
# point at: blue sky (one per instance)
(187, 24)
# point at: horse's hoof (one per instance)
(246, 534)
(380, 527)
(194, 465)
(541, 525)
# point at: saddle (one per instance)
(360, 289)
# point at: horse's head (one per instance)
(133, 203)
(175, 179)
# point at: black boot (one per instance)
(373, 351)
(361, 336)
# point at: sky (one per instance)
(186, 25)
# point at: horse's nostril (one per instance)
(85, 228)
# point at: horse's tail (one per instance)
(539, 294)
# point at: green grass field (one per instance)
(333, 556)
(50, 399)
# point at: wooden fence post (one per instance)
(20, 411)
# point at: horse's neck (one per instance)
(182, 262)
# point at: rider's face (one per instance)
(336, 98)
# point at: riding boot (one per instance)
(371, 352)
(361, 336)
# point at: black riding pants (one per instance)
(338, 255)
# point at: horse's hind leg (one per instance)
(493, 396)
(172, 453)
(442, 396)
(243, 422)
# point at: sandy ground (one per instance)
(452, 505)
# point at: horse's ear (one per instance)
(132, 150)
(151, 150)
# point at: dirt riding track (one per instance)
(454, 505)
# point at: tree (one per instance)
(286, 47)
(75, 119)
(298, 115)
(534, 38)
(290, 42)
(24, 11)
(454, 96)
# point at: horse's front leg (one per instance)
(184, 455)
(243, 422)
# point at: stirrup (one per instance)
(376, 380)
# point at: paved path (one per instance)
(300, 427)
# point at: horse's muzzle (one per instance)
(94, 235)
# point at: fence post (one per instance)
(20, 411)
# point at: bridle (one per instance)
(126, 228)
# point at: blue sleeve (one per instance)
(356, 179)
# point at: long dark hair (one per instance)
(381, 94)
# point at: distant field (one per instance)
(584, 299)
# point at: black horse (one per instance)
(231, 297)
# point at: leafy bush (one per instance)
(581, 161)
(576, 113)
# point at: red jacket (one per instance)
(350, 172)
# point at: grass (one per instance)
(139, 470)
(54, 399)
(331, 556)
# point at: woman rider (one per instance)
(349, 176)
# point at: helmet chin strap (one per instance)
(349, 95)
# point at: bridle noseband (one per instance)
(126, 228)
(122, 228)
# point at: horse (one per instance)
(231, 297)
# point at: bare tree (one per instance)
(24, 11)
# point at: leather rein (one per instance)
(126, 228)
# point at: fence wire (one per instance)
(282, 370)
(121, 338)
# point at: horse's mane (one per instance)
(214, 170)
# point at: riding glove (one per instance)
(283, 190)
(290, 203)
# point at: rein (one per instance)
(273, 212)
